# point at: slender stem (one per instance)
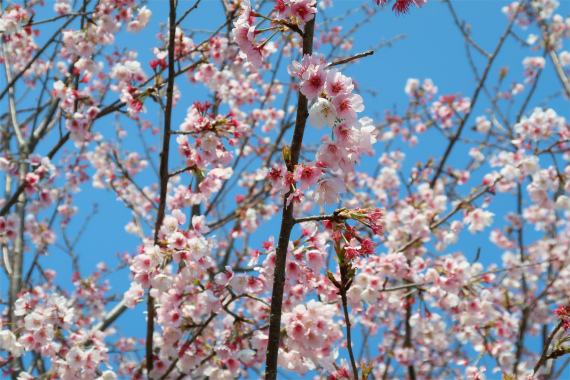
(343, 289)
(347, 60)
(187, 12)
(525, 307)
(461, 28)
(545, 348)
(23, 183)
(474, 98)
(335, 216)
(287, 223)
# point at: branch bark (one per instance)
(287, 223)
(545, 348)
(163, 173)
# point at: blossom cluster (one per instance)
(402, 6)
(563, 313)
(429, 304)
(542, 124)
(336, 106)
(47, 319)
(288, 12)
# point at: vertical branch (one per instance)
(17, 257)
(287, 223)
(17, 268)
(408, 336)
(344, 285)
(12, 102)
(163, 171)
(525, 308)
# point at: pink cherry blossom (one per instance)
(313, 81)
(347, 105)
(328, 191)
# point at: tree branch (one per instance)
(474, 99)
(287, 223)
(347, 60)
(545, 348)
(163, 173)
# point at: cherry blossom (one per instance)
(198, 142)
(328, 191)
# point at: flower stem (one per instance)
(347, 319)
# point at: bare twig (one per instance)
(187, 12)
(335, 216)
(346, 60)
(474, 98)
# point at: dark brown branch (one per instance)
(335, 216)
(287, 223)
(408, 334)
(293, 27)
(163, 172)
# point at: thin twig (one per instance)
(335, 216)
(348, 337)
(474, 98)
(346, 60)
(187, 12)
(545, 348)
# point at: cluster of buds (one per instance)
(560, 349)
(354, 245)
(563, 313)
(342, 373)
(348, 244)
